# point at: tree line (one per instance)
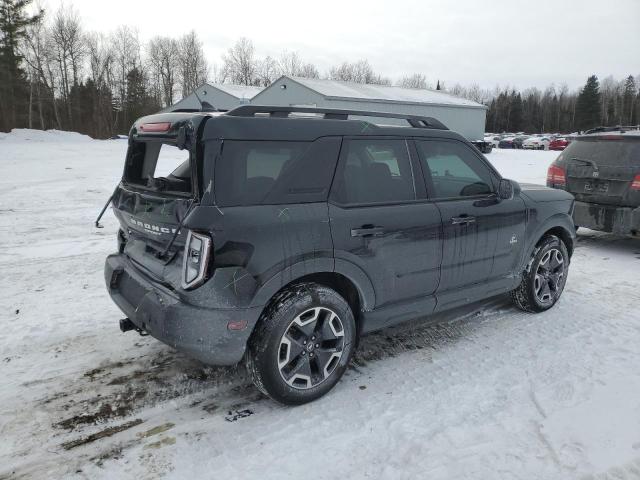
(55, 74)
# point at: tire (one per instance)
(302, 345)
(544, 277)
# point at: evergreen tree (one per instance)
(516, 122)
(588, 111)
(13, 85)
(611, 112)
(628, 101)
(139, 100)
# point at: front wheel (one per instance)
(545, 276)
(302, 345)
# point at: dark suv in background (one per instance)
(287, 233)
(602, 170)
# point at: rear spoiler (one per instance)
(165, 126)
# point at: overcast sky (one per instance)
(508, 42)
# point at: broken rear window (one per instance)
(158, 166)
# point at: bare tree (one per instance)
(38, 57)
(101, 73)
(240, 64)
(480, 95)
(267, 71)
(69, 47)
(216, 74)
(309, 70)
(417, 80)
(458, 90)
(193, 68)
(126, 51)
(291, 64)
(163, 63)
(359, 72)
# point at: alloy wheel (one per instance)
(311, 348)
(549, 276)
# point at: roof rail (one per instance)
(334, 114)
(617, 128)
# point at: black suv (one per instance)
(602, 170)
(289, 232)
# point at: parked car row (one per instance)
(528, 142)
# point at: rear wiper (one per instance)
(175, 234)
(584, 160)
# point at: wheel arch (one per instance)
(359, 297)
(559, 225)
(564, 235)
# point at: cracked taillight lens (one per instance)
(196, 258)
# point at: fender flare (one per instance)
(559, 220)
(295, 271)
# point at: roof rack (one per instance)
(334, 114)
(618, 128)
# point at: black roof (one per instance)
(251, 122)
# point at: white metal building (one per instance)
(219, 95)
(463, 116)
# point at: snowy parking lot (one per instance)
(490, 392)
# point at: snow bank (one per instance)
(28, 134)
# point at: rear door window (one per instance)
(374, 171)
(275, 172)
(454, 170)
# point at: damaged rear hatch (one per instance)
(160, 186)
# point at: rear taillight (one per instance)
(635, 185)
(556, 176)
(196, 259)
(158, 127)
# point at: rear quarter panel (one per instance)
(259, 249)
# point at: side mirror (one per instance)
(507, 189)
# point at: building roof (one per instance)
(238, 91)
(335, 89)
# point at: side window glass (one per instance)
(275, 173)
(374, 171)
(455, 171)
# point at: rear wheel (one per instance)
(545, 276)
(302, 345)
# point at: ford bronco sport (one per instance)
(290, 232)
(602, 170)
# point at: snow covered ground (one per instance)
(490, 393)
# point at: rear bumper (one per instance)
(200, 332)
(607, 218)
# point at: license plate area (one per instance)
(596, 187)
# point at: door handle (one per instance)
(367, 232)
(462, 220)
